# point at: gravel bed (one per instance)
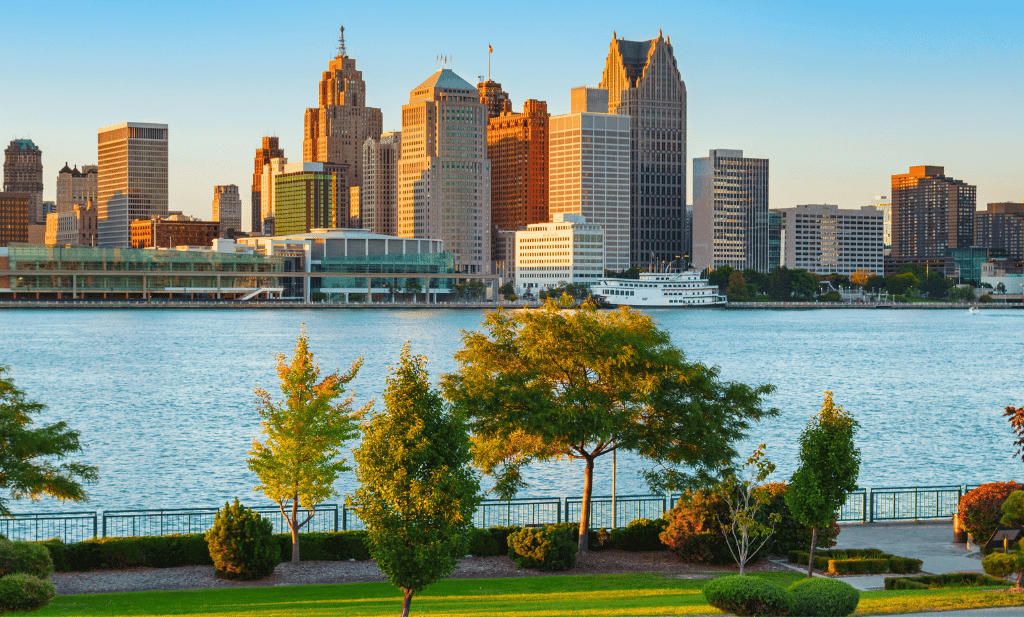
(332, 572)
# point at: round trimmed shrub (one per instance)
(23, 592)
(548, 548)
(980, 509)
(790, 534)
(242, 544)
(694, 533)
(641, 534)
(747, 595)
(25, 558)
(823, 597)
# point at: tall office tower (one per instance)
(378, 208)
(931, 213)
(494, 98)
(23, 173)
(336, 130)
(355, 220)
(304, 198)
(1000, 229)
(227, 209)
(270, 150)
(730, 211)
(444, 180)
(643, 83)
(271, 170)
(517, 145)
(589, 175)
(884, 205)
(132, 181)
(825, 239)
(775, 239)
(14, 217)
(76, 188)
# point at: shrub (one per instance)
(1004, 564)
(242, 544)
(640, 535)
(939, 581)
(548, 548)
(747, 595)
(980, 509)
(694, 533)
(857, 561)
(25, 558)
(1013, 510)
(490, 542)
(326, 546)
(858, 566)
(24, 592)
(823, 597)
(790, 534)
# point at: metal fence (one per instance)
(862, 506)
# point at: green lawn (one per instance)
(599, 595)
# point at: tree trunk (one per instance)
(294, 524)
(406, 601)
(741, 550)
(588, 488)
(810, 560)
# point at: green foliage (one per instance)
(745, 533)
(901, 284)
(833, 296)
(552, 384)
(241, 544)
(980, 509)
(549, 548)
(631, 273)
(757, 282)
(640, 534)
(875, 283)
(508, 291)
(785, 284)
(791, 534)
(27, 454)
(720, 276)
(1013, 510)
(747, 595)
(490, 542)
(963, 293)
(417, 492)
(857, 561)
(737, 290)
(944, 581)
(694, 532)
(823, 597)
(23, 592)
(25, 558)
(300, 461)
(985, 299)
(1004, 564)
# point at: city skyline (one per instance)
(838, 99)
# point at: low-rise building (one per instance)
(826, 239)
(567, 251)
(76, 227)
(174, 230)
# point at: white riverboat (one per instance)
(660, 289)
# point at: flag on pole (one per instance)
(490, 49)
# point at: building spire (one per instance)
(341, 42)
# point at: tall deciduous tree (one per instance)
(299, 463)
(417, 492)
(829, 466)
(29, 456)
(578, 384)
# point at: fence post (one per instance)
(104, 524)
(558, 511)
(344, 518)
(94, 524)
(870, 499)
(915, 503)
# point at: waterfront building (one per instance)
(132, 181)
(23, 173)
(444, 174)
(730, 211)
(589, 176)
(227, 209)
(825, 239)
(75, 228)
(264, 156)
(567, 251)
(643, 82)
(335, 130)
(1000, 229)
(174, 230)
(931, 213)
(14, 217)
(305, 197)
(378, 195)
(76, 188)
(517, 145)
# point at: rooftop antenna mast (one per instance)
(490, 50)
(341, 42)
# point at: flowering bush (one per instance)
(980, 509)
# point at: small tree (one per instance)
(27, 467)
(299, 463)
(746, 535)
(417, 493)
(1015, 415)
(829, 466)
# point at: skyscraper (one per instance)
(445, 176)
(494, 98)
(76, 188)
(931, 213)
(643, 82)
(227, 209)
(304, 199)
(270, 150)
(132, 182)
(1000, 229)
(730, 211)
(517, 145)
(378, 195)
(336, 130)
(23, 173)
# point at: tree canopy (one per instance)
(417, 493)
(299, 463)
(29, 455)
(578, 384)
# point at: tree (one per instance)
(579, 384)
(963, 293)
(757, 281)
(829, 466)
(936, 285)
(1015, 416)
(29, 456)
(299, 463)
(737, 290)
(720, 277)
(875, 283)
(860, 277)
(744, 499)
(900, 284)
(508, 290)
(417, 493)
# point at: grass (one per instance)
(584, 596)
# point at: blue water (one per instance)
(164, 399)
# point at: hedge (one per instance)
(857, 561)
(940, 581)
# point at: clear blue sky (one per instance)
(838, 96)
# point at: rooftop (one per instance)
(446, 79)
